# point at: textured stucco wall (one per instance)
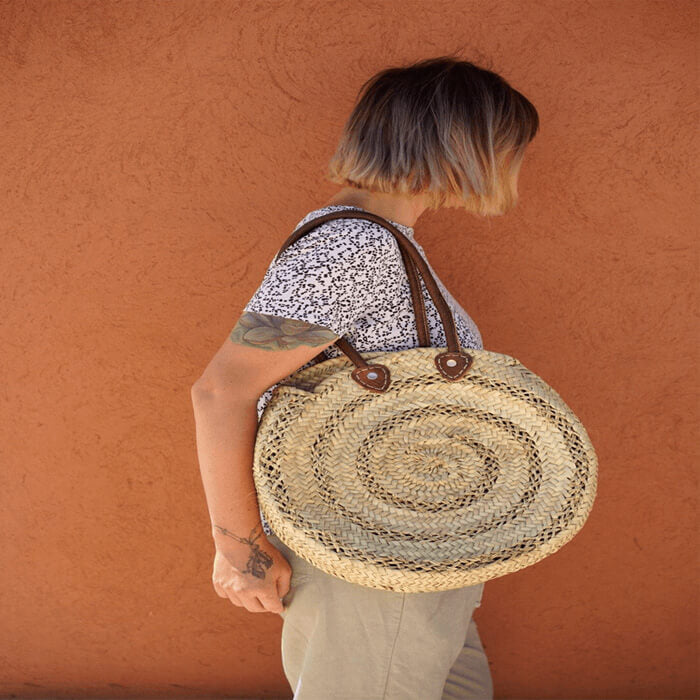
(156, 154)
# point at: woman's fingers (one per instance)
(283, 583)
(220, 590)
(260, 601)
(244, 599)
(251, 602)
(270, 601)
(253, 594)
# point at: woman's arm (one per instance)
(226, 425)
(260, 351)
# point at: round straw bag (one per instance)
(425, 469)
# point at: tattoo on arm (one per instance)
(259, 561)
(278, 333)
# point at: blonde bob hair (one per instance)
(442, 127)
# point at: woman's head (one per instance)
(443, 128)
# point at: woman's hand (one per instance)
(252, 574)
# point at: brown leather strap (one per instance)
(413, 262)
(416, 268)
(417, 300)
(413, 275)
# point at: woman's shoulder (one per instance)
(344, 236)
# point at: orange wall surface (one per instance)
(155, 156)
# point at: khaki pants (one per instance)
(343, 641)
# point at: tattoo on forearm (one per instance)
(259, 561)
(278, 333)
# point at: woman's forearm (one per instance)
(226, 427)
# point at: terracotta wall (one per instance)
(156, 154)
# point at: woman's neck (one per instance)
(400, 208)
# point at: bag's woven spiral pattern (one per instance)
(429, 486)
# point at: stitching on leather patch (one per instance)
(452, 373)
(382, 371)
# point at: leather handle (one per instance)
(405, 246)
(453, 363)
(413, 275)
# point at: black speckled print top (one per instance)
(348, 275)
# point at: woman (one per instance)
(441, 132)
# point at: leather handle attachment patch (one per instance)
(373, 377)
(453, 365)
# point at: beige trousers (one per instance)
(343, 641)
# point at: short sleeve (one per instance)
(333, 276)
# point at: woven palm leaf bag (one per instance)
(424, 469)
